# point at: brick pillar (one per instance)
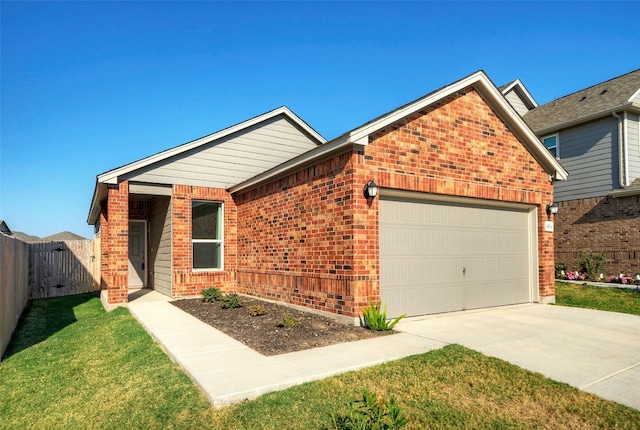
(546, 265)
(115, 245)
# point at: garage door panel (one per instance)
(440, 257)
(414, 300)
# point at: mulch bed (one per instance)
(262, 333)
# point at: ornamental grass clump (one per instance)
(374, 319)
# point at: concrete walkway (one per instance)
(229, 371)
(595, 351)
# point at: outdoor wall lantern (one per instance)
(370, 189)
(552, 209)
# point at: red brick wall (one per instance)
(187, 282)
(459, 147)
(601, 224)
(298, 238)
(114, 243)
(311, 238)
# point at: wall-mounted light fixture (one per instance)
(370, 189)
(552, 209)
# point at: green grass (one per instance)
(450, 388)
(71, 365)
(605, 299)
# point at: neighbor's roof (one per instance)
(631, 190)
(4, 228)
(600, 100)
(360, 135)
(518, 87)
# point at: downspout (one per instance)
(622, 168)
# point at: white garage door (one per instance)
(442, 256)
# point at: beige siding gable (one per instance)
(232, 159)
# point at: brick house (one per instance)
(271, 209)
(595, 133)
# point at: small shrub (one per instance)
(376, 320)
(561, 269)
(257, 310)
(370, 413)
(288, 321)
(211, 294)
(231, 301)
(591, 265)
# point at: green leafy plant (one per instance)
(561, 270)
(370, 413)
(257, 310)
(374, 319)
(591, 264)
(231, 301)
(288, 321)
(211, 295)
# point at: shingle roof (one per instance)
(586, 104)
(632, 190)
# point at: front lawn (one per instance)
(602, 298)
(71, 365)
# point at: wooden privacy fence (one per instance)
(63, 268)
(14, 279)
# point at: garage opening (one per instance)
(442, 256)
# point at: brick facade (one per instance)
(459, 147)
(602, 224)
(187, 282)
(114, 244)
(310, 238)
(304, 239)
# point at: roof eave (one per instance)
(99, 193)
(341, 143)
(635, 107)
(360, 135)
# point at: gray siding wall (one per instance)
(232, 160)
(589, 153)
(515, 101)
(160, 233)
(633, 139)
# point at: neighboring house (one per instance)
(595, 134)
(269, 208)
(4, 228)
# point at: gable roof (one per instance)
(518, 88)
(360, 135)
(221, 150)
(599, 100)
(4, 228)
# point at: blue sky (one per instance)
(90, 86)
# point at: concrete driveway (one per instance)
(595, 351)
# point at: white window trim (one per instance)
(220, 241)
(557, 136)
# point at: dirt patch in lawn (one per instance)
(262, 333)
